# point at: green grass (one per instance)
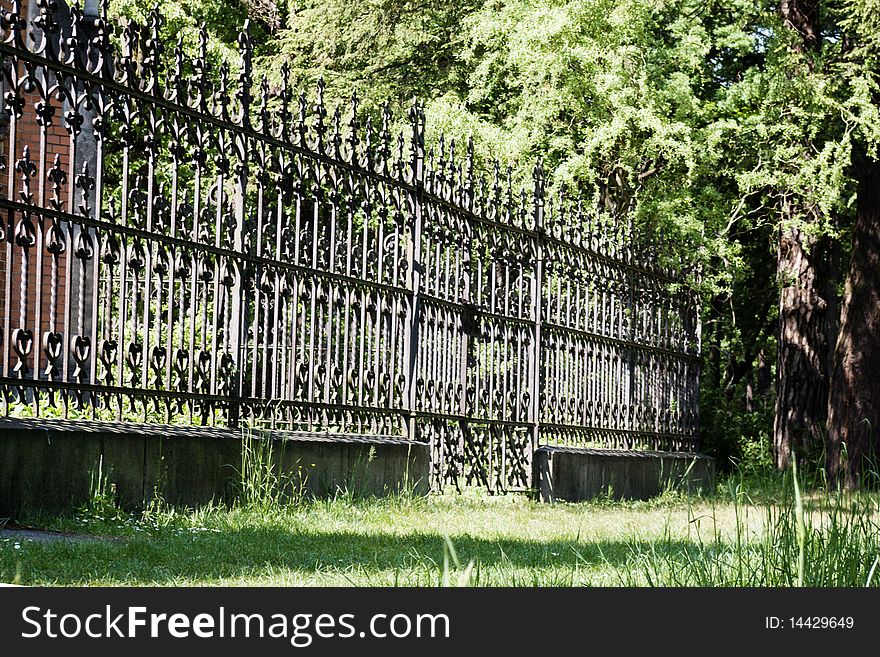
(729, 539)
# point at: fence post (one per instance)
(90, 150)
(470, 324)
(237, 300)
(538, 176)
(417, 162)
(693, 399)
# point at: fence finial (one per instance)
(336, 139)
(221, 98)
(400, 163)
(284, 97)
(469, 163)
(48, 25)
(100, 41)
(441, 158)
(58, 177)
(74, 53)
(353, 129)
(301, 121)
(245, 79)
(201, 69)
(368, 143)
(265, 120)
(540, 181)
(154, 49)
(320, 115)
(417, 140)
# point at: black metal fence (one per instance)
(181, 244)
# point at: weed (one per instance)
(449, 554)
(262, 484)
(783, 542)
(358, 486)
(736, 537)
(102, 507)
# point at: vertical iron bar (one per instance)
(538, 201)
(416, 267)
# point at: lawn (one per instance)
(472, 539)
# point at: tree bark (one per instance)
(802, 359)
(803, 347)
(802, 16)
(854, 398)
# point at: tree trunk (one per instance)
(802, 360)
(854, 398)
(802, 16)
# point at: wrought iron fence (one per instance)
(182, 244)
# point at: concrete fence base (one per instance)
(50, 465)
(53, 465)
(581, 474)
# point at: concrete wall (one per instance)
(46, 465)
(581, 474)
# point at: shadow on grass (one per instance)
(167, 558)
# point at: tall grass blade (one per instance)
(871, 572)
(800, 525)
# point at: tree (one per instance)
(663, 102)
(798, 171)
(745, 132)
(386, 50)
(854, 399)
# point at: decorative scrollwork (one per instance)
(220, 250)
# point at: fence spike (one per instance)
(100, 42)
(368, 144)
(153, 50)
(245, 74)
(301, 121)
(221, 97)
(480, 198)
(265, 120)
(353, 129)
(400, 162)
(336, 139)
(201, 72)
(74, 55)
(509, 190)
(17, 26)
(438, 170)
(417, 140)
(175, 86)
(284, 96)
(469, 163)
(320, 115)
(47, 24)
(338, 313)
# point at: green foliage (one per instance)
(383, 49)
(222, 18)
(620, 99)
(473, 539)
(264, 487)
(102, 507)
(116, 409)
(792, 541)
(709, 118)
(735, 436)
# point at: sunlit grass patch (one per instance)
(472, 539)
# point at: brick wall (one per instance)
(44, 143)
